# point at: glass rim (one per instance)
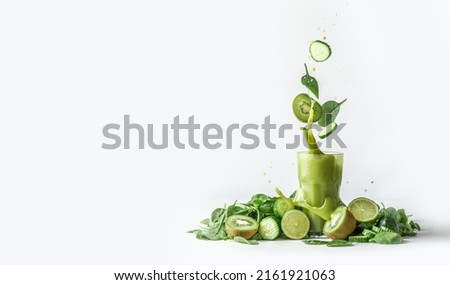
(324, 152)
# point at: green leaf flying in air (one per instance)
(310, 82)
(330, 110)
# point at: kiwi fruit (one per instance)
(242, 226)
(302, 105)
(341, 224)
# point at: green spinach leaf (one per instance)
(330, 110)
(245, 241)
(316, 242)
(310, 82)
(387, 238)
(339, 243)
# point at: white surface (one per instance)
(68, 68)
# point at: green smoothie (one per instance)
(320, 176)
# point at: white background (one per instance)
(67, 68)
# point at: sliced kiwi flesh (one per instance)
(341, 224)
(302, 105)
(242, 226)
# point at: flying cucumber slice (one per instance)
(302, 106)
(319, 50)
(328, 130)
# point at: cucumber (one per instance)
(280, 207)
(319, 50)
(368, 233)
(376, 229)
(328, 130)
(269, 228)
(359, 238)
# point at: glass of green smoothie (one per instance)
(320, 176)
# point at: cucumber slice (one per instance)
(319, 51)
(376, 229)
(328, 130)
(269, 228)
(359, 238)
(368, 233)
(281, 206)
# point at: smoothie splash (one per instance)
(319, 173)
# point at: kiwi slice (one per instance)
(302, 105)
(241, 226)
(341, 224)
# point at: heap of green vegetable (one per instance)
(261, 212)
(264, 218)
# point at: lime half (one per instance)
(363, 209)
(295, 224)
